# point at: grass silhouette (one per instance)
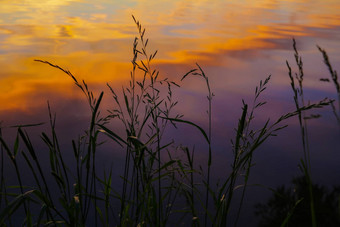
(154, 182)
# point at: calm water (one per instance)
(237, 43)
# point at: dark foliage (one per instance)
(294, 203)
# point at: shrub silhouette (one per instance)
(294, 203)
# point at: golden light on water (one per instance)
(93, 39)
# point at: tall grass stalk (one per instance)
(299, 97)
(209, 97)
(334, 77)
(92, 135)
(250, 134)
(147, 164)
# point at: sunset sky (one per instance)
(93, 39)
(236, 42)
